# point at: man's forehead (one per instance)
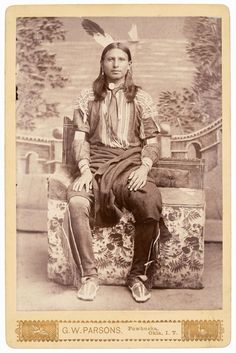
(116, 52)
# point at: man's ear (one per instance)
(130, 66)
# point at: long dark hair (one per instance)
(100, 84)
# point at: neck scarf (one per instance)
(112, 111)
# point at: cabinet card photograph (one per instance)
(118, 174)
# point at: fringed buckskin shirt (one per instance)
(136, 123)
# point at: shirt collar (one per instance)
(115, 89)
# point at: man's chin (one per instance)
(117, 76)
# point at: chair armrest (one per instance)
(195, 167)
(59, 182)
(167, 177)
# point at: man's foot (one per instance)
(139, 292)
(88, 289)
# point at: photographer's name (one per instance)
(98, 330)
(119, 329)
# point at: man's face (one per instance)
(115, 65)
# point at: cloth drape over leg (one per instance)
(111, 195)
(146, 206)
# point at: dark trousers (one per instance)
(145, 204)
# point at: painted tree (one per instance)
(181, 110)
(191, 108)
(36, 68)
(205, 49)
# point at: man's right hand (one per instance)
(84, 180)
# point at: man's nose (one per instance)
(115, 62)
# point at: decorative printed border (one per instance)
(202, 330)
(48, 331)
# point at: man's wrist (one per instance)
(147, 163)
(84, 169)
(145, 167)
(83, 165)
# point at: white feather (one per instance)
(103, 40)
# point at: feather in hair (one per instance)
(94, 30)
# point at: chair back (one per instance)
(68, 137)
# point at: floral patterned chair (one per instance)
(181, 255)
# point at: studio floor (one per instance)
(36, 293)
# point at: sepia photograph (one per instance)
(161, 161)
(119, 130)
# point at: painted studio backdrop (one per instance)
(177, 60)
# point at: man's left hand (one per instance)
(138, 178)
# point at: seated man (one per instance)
(115, 146)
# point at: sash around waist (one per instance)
(101, 157)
